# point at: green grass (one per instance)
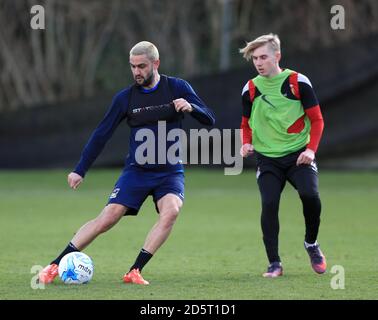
(214, 252)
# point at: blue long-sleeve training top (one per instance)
(144, 109)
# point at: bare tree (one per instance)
(60, 62)
(168, 24)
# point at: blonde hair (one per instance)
(147, 48)
(271, 39)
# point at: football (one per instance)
(76, 268)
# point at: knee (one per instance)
(108, 220)
(169, 215)
(312, 205)
(270, 204)
(309, 196)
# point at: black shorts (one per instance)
(304, 176)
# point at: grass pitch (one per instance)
(214, 252)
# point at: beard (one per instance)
(147, 80)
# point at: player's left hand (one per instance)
(306, 157)
(182, 105)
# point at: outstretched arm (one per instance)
(100, 136)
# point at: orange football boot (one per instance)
(48, 274)
(134, 276)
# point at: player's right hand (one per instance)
(74, 180)
(246, 150)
